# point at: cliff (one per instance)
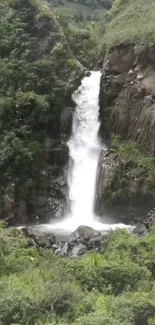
(127, 111)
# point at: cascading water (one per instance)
(84, 149)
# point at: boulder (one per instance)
(78, 250)
(140, 230)
(65, 249)
(85, 232)
(41, 239)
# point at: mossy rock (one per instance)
(126, 187)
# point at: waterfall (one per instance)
(84, 150)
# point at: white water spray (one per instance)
(84, 150)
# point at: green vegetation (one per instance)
(39, 49)
(37, 73)
(94, 3)
(80, 11)
(80, 22)
(83, 41)
(129, 21)
(116, 287)
(130, 151)
(133, 175)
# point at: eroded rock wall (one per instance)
(127, 112)
(127, 95)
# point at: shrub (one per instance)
(136, 308)
(111, 276)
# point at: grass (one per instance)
(130, 21)
(77, 14)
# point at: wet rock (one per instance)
(58, 154)
(51, 199)
(71, 246)
(78, 250)
(148, 219)
(65, 249)
(58, 251)
(123, 192)
(9, 221)
(88, 73)
(95, 241)
(57, 208)
(140, 230)
(41, 239)
(54, 247)
(131, 76)
(66, 121)
(85, 232)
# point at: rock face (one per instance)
(127, 95)
(125, 186)
(51, 196)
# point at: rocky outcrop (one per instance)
(127, 95)
(127, 111)
(125, 187)
(75, 245)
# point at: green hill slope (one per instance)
(81, 11)
(130, 21)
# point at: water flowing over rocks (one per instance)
(84, 149)
(82, 240)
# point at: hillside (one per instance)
(81, 11)
(129, 21)
(80, 22)
(37, 76)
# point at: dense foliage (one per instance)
(116, 287)
(80, 13)
(37, 72)
(93, 4)
(83, 41)
(80, 23)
